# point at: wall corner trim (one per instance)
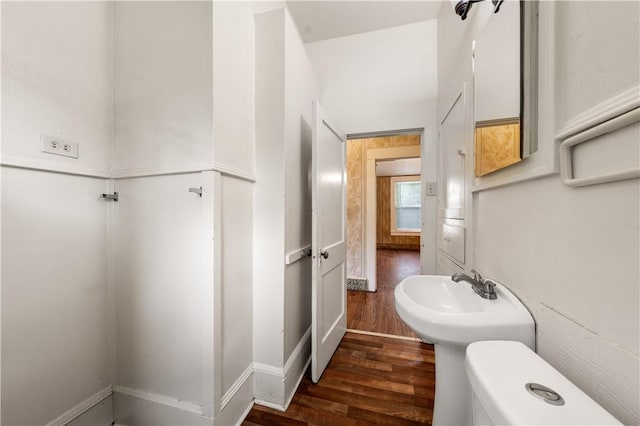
(160, 399)
(238, 400)
(246, 374)
(276, 386)
(82, 407)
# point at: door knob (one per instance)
(324, 254)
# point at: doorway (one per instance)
(383, 227)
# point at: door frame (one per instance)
(371, 217)
(369, 196)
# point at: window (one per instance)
(405, 204)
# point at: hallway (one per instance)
(376, 312)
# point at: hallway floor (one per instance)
(376, 312)
(371, 380)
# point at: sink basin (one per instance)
(440, 310)
(451, 316)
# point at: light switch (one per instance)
(431, 189)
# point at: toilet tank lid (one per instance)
(498, 372)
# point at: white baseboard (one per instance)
(82, 408)
(237, 401)
(275, 387)
(134, 407)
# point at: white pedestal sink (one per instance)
(451, 315)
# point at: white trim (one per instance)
(277, 382)
(297, 351)
(268, 385)
(235, 387)
(412, 151)
(239, 401)
(217, 294)
(566, 150)
(47, 166)
(268, 404)
(259, 367)
(245, 413)
(158, 171)
(82, 407)
(234, 172)
(210, 200)
(388, 336)
(383, 133)
(544, 161)
(298, 381)
(160, 399)
(611, 108)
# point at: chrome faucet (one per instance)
(485, 288)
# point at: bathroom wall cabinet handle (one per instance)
(324, 254)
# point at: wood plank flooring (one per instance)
(376, 312)
(371, 380)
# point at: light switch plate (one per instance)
(431, 188)
(58, 146)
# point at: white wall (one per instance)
(237, 279)
(56, 80)
(157, 329)
(163, 103)
(301, 89)
(386, 80)
(234, 81)
(234, 47)
(163, 234)
(54, 294)
(285, 88)
(572, 255)
(268, 251)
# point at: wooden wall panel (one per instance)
(383, 226)
(355, 208)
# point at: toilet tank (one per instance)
(500, 373)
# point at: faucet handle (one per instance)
(477, 276)
(490, 289)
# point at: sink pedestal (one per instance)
(452, 405)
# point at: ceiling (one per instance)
(402, 167)
(321, 20)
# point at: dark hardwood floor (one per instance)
(376, 312)
(371, 380)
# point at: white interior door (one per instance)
(329, 270)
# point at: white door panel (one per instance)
(329, 291)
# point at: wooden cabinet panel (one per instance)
(497, 146)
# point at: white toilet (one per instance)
(512, 385)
